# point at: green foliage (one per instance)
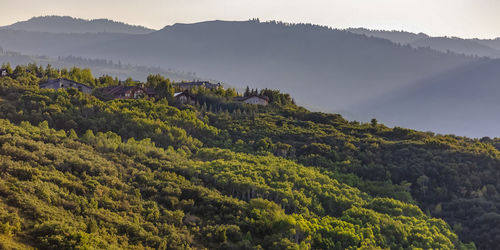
(408, 165)
(101, 192)
(81, 75)
(162, 85)
(220, 174)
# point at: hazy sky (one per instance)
(463, 18)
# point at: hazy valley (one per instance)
(342, 70)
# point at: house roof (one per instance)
(150, 91)
(117, 90)
(62, 80)
(241, 99)
(197, 84)
(183, 93)
(121, 90)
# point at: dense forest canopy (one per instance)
(81, 170)
(477, 47)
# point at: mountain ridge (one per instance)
(477, 47)
(67, 24)
(458, 45)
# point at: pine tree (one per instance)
(8, 68)
(247, 92)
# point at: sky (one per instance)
(461, 18)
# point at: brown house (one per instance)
(127, 92)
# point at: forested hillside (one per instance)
(476, 47)
(263, 54)
(400, 37)
(325, 69)
(458, 45)
(78, 171)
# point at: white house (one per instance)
(257, 100)
(3, 72)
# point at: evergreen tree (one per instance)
(247, 92)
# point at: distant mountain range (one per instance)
(66, 24)
(475, 47)
(328, 63)
(324, 69)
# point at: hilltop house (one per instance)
(200, 84)
(63, 83)
(254, 99)
(127, 92)
(3, 72)
(185, 98)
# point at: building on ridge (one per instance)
(63, 83)
(253, 99)
(197, 84)
(185, 98)
(3, 72)
(127, 92)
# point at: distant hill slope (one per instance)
(66, 24)
(323, 68)
(464, 101)
(402, 37)
(476, 47)
(44, 43)
(457, 45)
(493, 43)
